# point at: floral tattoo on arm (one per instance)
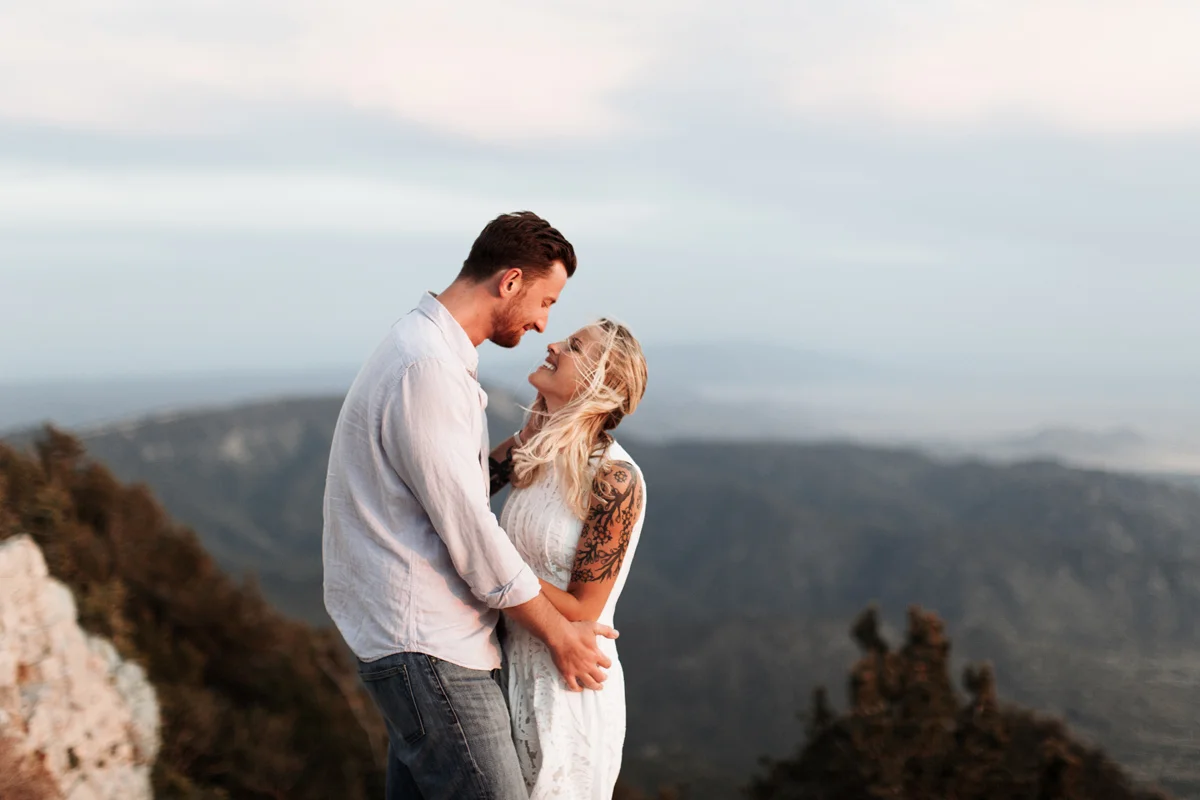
(616, 506)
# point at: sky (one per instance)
(208, 185)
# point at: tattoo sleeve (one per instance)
(609, 526)
(500, 471)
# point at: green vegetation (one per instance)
(909, 735)
(254, 705)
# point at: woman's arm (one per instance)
(617, 499)
(565, 602)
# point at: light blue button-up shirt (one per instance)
(415, 561)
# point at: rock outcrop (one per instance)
(67, 700)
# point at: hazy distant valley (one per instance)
(759, 392)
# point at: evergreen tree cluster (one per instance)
(909, 735)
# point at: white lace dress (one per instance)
(569, 743)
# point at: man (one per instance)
(416, 567)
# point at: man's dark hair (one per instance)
(523, 240)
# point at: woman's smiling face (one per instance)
(567, 367)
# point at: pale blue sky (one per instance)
(216, 185)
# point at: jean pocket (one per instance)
(380, 674)
(393, 693)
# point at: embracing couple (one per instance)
(418, 571)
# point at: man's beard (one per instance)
(506, 332)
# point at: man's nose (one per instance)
(540, 325)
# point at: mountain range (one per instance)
(1082, 587)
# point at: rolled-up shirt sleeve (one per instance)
(427, 436)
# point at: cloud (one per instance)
(1080, 66)
(531, 72)
(57, 198)
(514, 72)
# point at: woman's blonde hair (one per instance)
(578, 432)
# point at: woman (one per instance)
(575, 515)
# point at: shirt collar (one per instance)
(456, 337)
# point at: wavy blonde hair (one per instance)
(614, 383)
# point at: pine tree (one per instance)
(909, 735)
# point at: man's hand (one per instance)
(572, 644)
(578, 658)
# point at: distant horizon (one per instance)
(873, 400)
(942, 365)
(1120, 448)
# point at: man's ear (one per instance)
(511, 281)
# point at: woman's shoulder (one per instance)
(615, 454)
(619, 472)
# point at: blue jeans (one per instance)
(449, 734)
